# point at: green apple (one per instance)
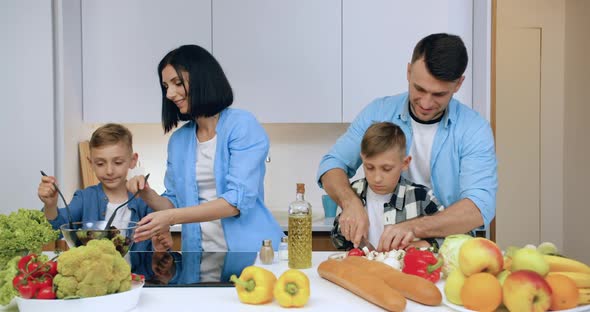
(529, 259)
(453, 286)
(502, 276)
(547, 248)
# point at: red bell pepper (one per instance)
(422, 263)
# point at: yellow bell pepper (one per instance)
(255, 285)
(292, 289)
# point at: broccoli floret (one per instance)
(96, 269)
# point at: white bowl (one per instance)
(124, 301)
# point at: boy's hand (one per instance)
(138, 183)
(396, 236)
(47, 192)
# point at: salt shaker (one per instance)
(266, 253)
(284, 249)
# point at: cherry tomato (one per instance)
(24, 261)
(46, 293)
(26, 291)
(32, 268)
(137, 277)
(42, 282)
(356, 252)
(49, 267)
(18, 280)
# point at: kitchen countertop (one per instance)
(325, 296)
(319, 222)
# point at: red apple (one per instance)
(480, 255)
(526, 291)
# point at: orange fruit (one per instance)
(564, 294)
(481, 292)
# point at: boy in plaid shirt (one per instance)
(388, 197)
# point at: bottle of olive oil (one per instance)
(300, 231)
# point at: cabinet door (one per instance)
(379, 37)
(283, 58)
(27, 118)
(123, 43)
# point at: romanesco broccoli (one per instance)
(96, 269)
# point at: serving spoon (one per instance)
(64, 200)
(112, 218)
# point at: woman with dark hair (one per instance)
(215, 168)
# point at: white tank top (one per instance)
(212, 235)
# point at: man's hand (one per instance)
(354, 223)
(396, 236)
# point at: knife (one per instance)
(365, 243)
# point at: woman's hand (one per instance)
(162, 241)
(153, 224)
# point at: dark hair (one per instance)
(209, 90)
(111, 134)
(445, 56)
(381, 137)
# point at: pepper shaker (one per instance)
(266, 253)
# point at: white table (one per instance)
(325, 296)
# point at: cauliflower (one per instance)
(96, 269)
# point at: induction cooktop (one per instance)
(189, 269)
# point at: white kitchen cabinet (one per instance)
(123, 42)
(283, 58)
(27, 119)
(379, 37)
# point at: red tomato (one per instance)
(137, 277)
(18, 280)
(46, 293)
(32, 268)
(52, 267)
(24, 261)
(42, 282)
(26, 291)
(355, 252)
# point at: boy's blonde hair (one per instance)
(111, 134)
(381, 137)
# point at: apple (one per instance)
(526, 291)
(453, 286)
(529, 259)
(480, 255)
(502, 276)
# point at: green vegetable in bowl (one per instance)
(96, 269)
(450, 252)
(24, 230)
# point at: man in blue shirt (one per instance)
(452, 150)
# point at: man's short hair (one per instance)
(445, 56)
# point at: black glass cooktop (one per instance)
(190, 269)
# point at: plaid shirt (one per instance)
(409, 200)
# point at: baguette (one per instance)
(368, 287)
(410, 286)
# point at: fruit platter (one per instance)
(465, 274)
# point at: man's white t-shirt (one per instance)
(212, 235)
(421, 151)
